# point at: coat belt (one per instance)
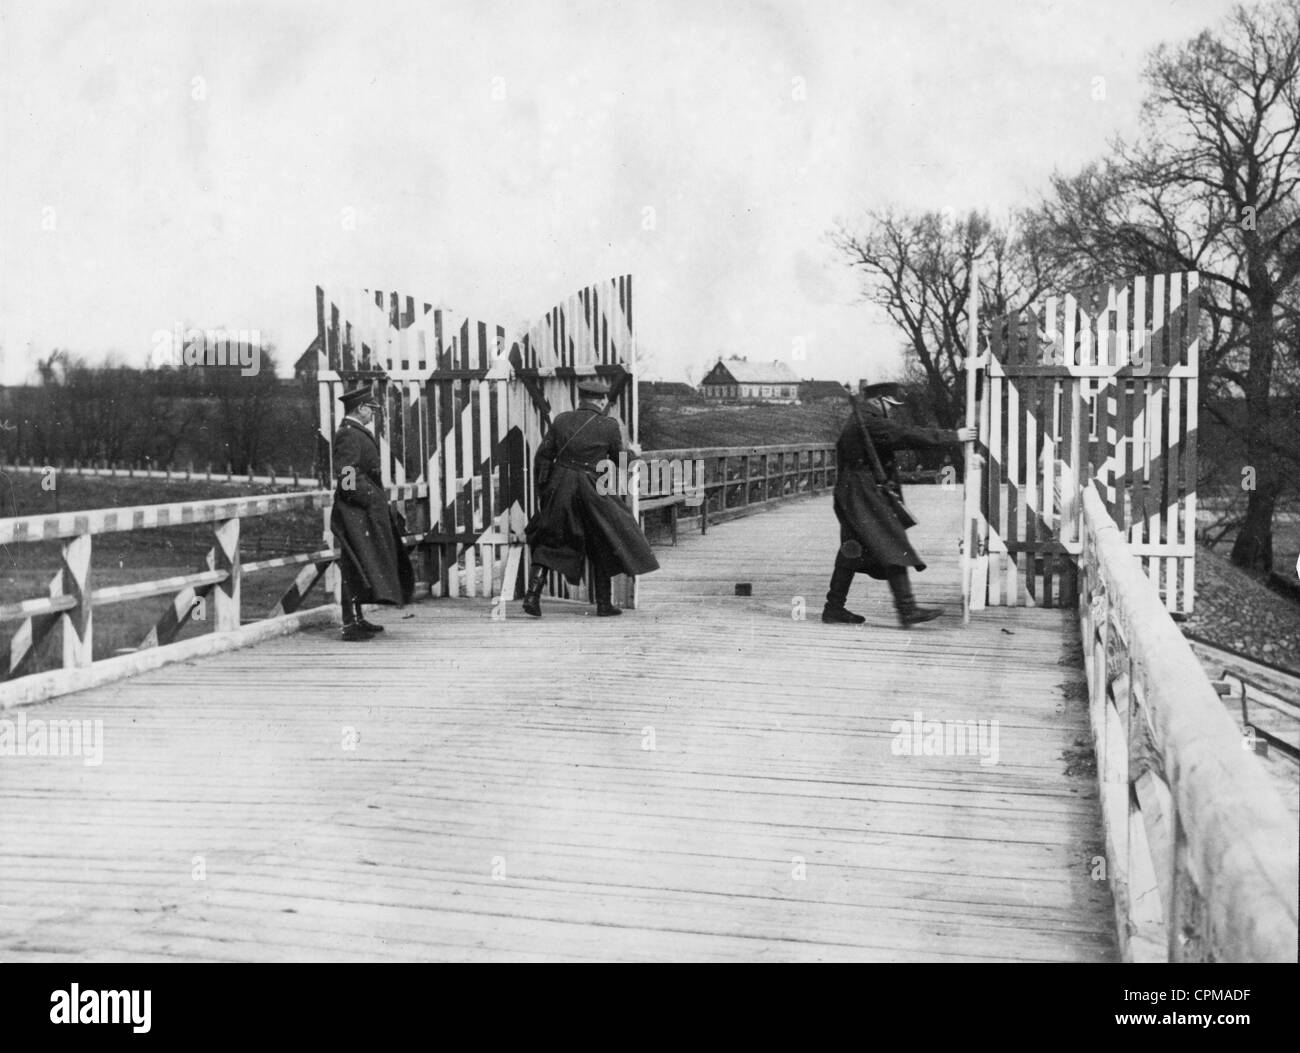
(581, 466)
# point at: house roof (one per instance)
(821, 389)
(745, 372)
(307, 360)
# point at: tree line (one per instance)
(1209, 183)
(117, 414)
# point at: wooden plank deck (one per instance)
(502, 801)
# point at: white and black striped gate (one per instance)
(463, 413)
(1099, 385)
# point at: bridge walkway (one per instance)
(708, 777)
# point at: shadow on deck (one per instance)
(705, 778)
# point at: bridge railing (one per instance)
(1200, 849)
(211, 594)
(733, 481)
(740, 480)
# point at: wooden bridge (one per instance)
(708, 777)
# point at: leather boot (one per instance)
(366, 626)
(352, 632)
(533, 597)
(909, 613)
(604, 589)
(835, 611)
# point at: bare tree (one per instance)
(917, 267)
(1210, 185)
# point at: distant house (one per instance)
(812, 390)
(305, 367)
(740, 379)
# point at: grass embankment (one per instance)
(669, 423)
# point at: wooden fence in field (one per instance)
(169, 473)
(1201, 852)
(1101, 385)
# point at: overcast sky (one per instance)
(210, 163)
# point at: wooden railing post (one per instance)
(76, 623)
(225, 556)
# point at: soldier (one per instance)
(872, 540)
(576, 522)
(372, 560)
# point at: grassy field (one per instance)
(677, 422)
(1286, 546)
(120, 559)
(673, 423)
(1286, 528)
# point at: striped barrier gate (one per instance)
(1096, 385)
(464, 413)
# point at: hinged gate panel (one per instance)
(1100, 385)
(462, 416)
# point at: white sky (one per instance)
(228, 209)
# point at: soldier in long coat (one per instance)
(373, 561)
(872, 540)
(576, 522)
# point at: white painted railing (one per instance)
(1201, 851)
(73, 595)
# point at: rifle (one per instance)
(891, 491)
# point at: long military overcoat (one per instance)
(872, 541)
(368, 530)
(575, 521)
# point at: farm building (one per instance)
(813, 390)
(740, 379)
(305, 367)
